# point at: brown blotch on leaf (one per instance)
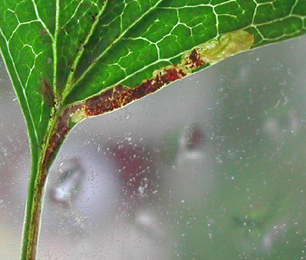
(61, 130)
(195, 59)
(47, 93)
(120, 96)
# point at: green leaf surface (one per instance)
(69, 60)
(80, 48)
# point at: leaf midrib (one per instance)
(72, 84)
(69, 83)
(54, 46)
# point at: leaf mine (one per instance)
(118, 96)
(199, 57)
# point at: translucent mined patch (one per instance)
(228, 45)
(78, 116)
(211, 52)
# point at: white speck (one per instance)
(277, 104)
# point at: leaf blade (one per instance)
(21, 58)
(71, 60)
(126, 56)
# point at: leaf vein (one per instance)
(115, 41)
(54, 46)
(22, 87)
(81, 51)
(41, 21)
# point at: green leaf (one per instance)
(69, 60)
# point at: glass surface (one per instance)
(212, 167)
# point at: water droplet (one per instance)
(69, 182)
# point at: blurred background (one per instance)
(212, 167)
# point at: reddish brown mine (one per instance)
(58, 136)
(61, 130)
(195, 59)
(114, 98)
(120, 96)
